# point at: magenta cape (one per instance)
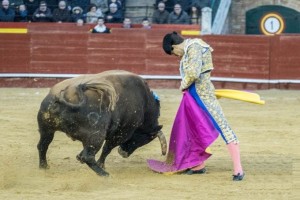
(192, 132)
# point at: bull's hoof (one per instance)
(103, 173)
(124, 154)
(44, 166)
(79, 158)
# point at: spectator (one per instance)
(7, 14)
(79, 22)
(42, 14)
(61, 14)
(84, 4)
(119, 3)
(160, 15)
(100, 27)
(93, 14)
(114, 15)
(127, 23)
(185, 4)
(77, 14)
(168, 3)
(178, 16)
(22, 14)
(195, 14)
(102, 4)
(31, 6)
(146, 23)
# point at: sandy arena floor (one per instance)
(269, 147)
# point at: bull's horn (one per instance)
(163, 142)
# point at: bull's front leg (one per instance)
(91, 147)
(88, 156)
(108, 146)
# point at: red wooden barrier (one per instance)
(69, 49)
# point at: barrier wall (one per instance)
(69, 49)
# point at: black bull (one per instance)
(115, 107)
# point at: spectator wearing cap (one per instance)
(114, 15)
(42, 14)
(178, 16)
(84, 4)
(61, 14)
(7, 14)
(160, 15)
(77, 13)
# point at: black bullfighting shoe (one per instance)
(191, 172)
(238, 177)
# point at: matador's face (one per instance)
(178, 50)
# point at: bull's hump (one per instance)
(109, 76)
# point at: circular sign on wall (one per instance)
(272, 23)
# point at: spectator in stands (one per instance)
(178, 16)
(31, 6)
(146, 23)
(127, 23)
(79, 22)
(118, 2)
(185, 4)
(114, 15)
(160, 15)
(93, 14)
(195, 11)
(22, 14)
(100, 27)
(102, 4)
(84, 4)
(77, 14)
(168, 3)
(61, 14)
(7, 14)
(42, 14)
(195, 14)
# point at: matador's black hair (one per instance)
(171, 39)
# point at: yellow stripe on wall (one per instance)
(14, 30)
(190, 32)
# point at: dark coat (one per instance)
(47, 18)
(160, 17)
(7, 15)
(182, 18)
(61, 15)
(117, 17)
(22, 16)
